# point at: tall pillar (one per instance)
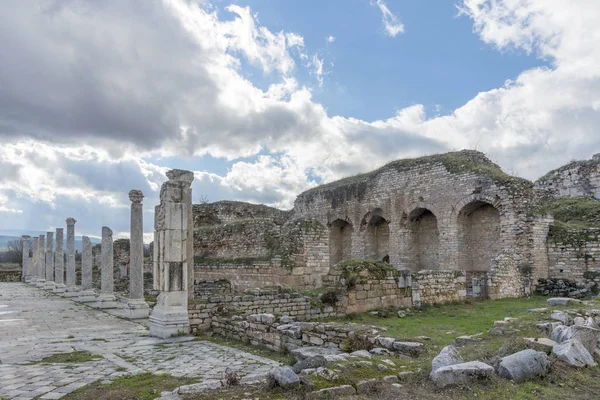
(26, 274)
(59, 262)
(170, 315)
(34, 262)
(86, 294)
(49, 285)
(136, 307)
(107, 298)
(71, 284)
(41, 254)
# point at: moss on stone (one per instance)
(461, 162)
(575, 212)
(351, 270)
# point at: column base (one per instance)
(59, 288)
(71, 291)
(136, 309)
(32, 281)
(27, 279)
(86, 296)
(170, 315)
(40, 283)
(49, 285)
(106, 300)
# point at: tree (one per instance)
(14, 252)
(202, 199)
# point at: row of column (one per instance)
(45, 268)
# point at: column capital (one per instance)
(25, 237)
(136, 196)
(71, 221)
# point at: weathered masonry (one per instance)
(426, 216)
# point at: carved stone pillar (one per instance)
(170, 315)
(49, 285)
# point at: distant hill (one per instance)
(8, 235)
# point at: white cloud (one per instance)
(317, 69)
(391, 23)
(330, 39)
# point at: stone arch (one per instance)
(423, 240)
(478, 219)
(340, 241)
(376, 233)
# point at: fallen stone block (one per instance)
(303, 353)
(573, 353)
(337, 392)
(524, 365)
(310, 362)
(586, 335)
(448, 356)
(541, 344)
(562, 317)
(562, 301)
(411, 349)
(463, 373)
(285, 377)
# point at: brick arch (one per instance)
(375, 229)
(410, 211)
(478, 218)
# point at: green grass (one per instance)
(74, 357)
(461, 319)
(146, 386)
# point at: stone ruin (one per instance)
(420, 231)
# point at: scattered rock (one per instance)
(284, 319)
(541, 344)
(401, 314)
(199, 387)
(327, 374)
(562, 301)
(386, 342)
(524, 365)
(285, 377)
(310, 362)
(303, 353)
(461, 373)
(337, 392)
(412, 349)
(382, 367)
(500, 323)
(562, 317)
(537, 310)
(464, 340)
(361, 353)
(573, 353)
(548, 327)
(380, 351)
(368, 386)
(391, 379)
(448, 356)
(388, 362)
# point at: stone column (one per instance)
(86, 294)
(136, 307)
(107, 298)
(59, 262)
(26, 272)
(170, 315)
(41, 254)
(71, 284)
(34, 262)
(49, 285)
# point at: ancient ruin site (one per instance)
(428, 277)
(299, 200)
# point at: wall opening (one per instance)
(377, 237)
(424, 240)
(478, 236)
(340, 241)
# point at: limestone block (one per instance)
(524, 365)
(463, 373)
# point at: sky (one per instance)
(265, 99)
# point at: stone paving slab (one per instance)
(36, 324)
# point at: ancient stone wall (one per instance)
(574, 254)
(211, 288)
(121, 257)
(578, 178)
(438, 287)
(225, 212)
(241, 276)
(507, 278)
(433, 208)
(10, 276)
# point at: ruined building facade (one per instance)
(455, 212)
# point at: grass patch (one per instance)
(74, 357)
(282, 357)
(146, 386)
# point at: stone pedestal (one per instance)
(26, 274)
(170, 315)
(59, 262)
(107, 298)
(136, 307)
(41, 280)
(49, 284)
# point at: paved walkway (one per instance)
(35, 324)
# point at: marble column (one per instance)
(71, 277)
(107, 298)
(41, 253)
(59, 262)
(136, 307)
(86, 294)
(170, 315)
(26, 273)
(34, 262)
(49, 285)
